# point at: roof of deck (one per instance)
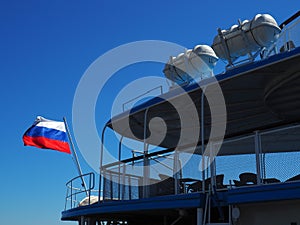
(258, 96)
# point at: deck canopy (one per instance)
(258, 96)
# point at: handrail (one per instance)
(138, 157)
(84, 175)
(141, 95)
(73, 191)
(289, 20)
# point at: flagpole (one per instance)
(74, 154)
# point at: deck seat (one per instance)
(271, 180)
(89, 200)
(287, 46)
(197, 186)
(166, 186)
(246, 179)
(294, 178)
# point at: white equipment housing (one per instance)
(245, 38)
(192, 64)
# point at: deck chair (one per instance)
(219, 182)
(287, 46)
(294, 178)
(246, 179)
(197, 186)
(166, 186)
(271, 180)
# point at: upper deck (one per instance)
(258, 95)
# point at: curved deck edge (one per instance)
(263, 193)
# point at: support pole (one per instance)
(75, 158)
(202, 139)
(101, 164)
(257, 154)
(212, 166)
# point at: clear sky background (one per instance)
(46, 46)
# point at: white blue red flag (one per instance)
(47, 134)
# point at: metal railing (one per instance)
(125, 180)
(77, 191)
(275, 161)
(262, 158)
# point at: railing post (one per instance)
(146, 165)
(89, 187)
(104, 186)
(66, 201)
(176, 171)
(123, 181)
(119, 167)
(71, 194)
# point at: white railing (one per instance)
(288, 39)
(78, 194)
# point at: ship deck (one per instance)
(256, 165)
(276, 77)
(157, 207)
(126, 209)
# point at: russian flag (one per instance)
(47, 134)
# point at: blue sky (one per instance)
(46, 46)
